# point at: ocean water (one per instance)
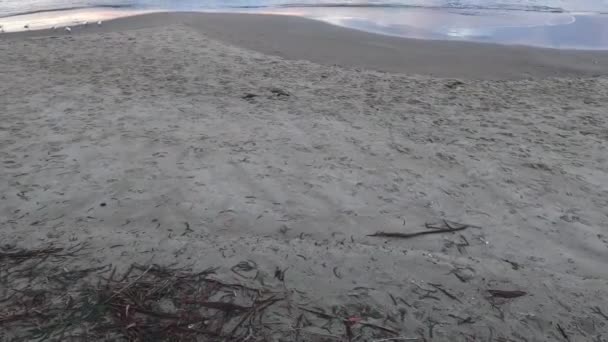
(573, 24)
(14, 7)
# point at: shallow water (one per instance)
(579, 24)
(13, 7)
(551, 30)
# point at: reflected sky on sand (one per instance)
(551, 30)
(45, 20)
(542, 29)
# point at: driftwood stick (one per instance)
(598, 311)
(128, 285)
(330, 316)
(445, 292)
(432, 230)
(506, 294)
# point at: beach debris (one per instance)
(15, 256)
(347, 321)
(399, 338)
(596, 310)
(403, 301)
(431, 323)
(284, 229)
(249, 96)
(427, 292)
(515, 266)
(464, 274)
(22, 254)
(68, 29)
(99, 23)
(461, 321)
(445, 292)
(279, 92)
(188, 229)
(26, 26)
(433, 229)
(280, 274)
(454, 84)
(337, 273)
(563, 332)
(169, 304)
(538, 166)
(154, 302)
(506, 293)
(392, 299)
(401, 149)
(460, 245)
(360, 291)
(244, 267)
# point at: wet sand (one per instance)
(206, 140)
(298, 38)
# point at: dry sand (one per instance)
(158, 143)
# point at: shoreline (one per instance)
(297, 38)
(562, 31)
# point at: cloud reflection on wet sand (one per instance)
(554, 30)
(45, 20)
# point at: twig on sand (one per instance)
(432, 230)
(337, 273)
(501, 314)
(319, 313)
(507, 294)
(26, 254)
(563, 332)
(468, 320)
(380, 327)
(18, 316)
(431, 325)
(280, 274)
(330, 316)
(128, 285)
(235, 285)
(454, 84)
(238, 325)
(598, 311)
(393, 299)
(219, 305)
(427, 292)
(259, 306)
(399, 338)
(348, 330)
(245, 266)
(298, 330)
(440, 288)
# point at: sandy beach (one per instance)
(206, 140)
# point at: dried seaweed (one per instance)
(47, 301)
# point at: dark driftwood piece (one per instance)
(432, 230)
(506, 294)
